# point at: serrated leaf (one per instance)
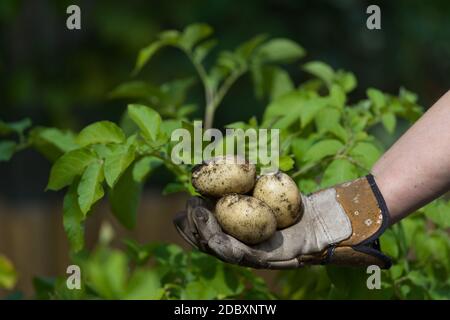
(7, 149)
(117, 161)
(193, 34)
(389, 122)
(100, 132)
(144, 167)
(340, 170)
(280, 50)
(124, 198)
(69, 166)
(366, 153)
(322, 149)
(73, 219)
(90, 189)
(320, 70)
(147, 119)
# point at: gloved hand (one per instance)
(340, 225)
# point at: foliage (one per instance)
(325, 139)
(153, 271)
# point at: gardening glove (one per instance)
(340, 225)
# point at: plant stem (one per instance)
(217, 98)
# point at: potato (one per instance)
(223, 175)
(281, 194)
(246, 218)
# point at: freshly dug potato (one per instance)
(223, 175)
(281, 194)
(246, 218)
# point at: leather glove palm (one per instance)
(340, 225)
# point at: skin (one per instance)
(416, 169)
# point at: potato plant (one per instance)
(326, 138)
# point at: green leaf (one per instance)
(396, 271)
(63, 140)
(418, 278)
(407, 95)
(327, 120)
(147, 119)
(73, 219)
(271, 81)
(322, 149)
(173, 187)
(246, 49)
(68, 167)
(389, 244)
(7, 149)
(389, 121)
(203, 49)
(138, 90)
(340, 170)
(286, 163)
(144, 285)
(438, 212)
(377, 98)
(337, 97)
(299, 147)
(280, 50)
(366, 153)
(290, 107)
(90, 189)
(198, 290)
(307, 186)
(193, 34)
(320, 70)
(52, 142)
(144, 167)
(18, 127)
(146, 54)
(117, 161)
(100, 132)
(107, 272)
(346, 80)
(124, 198)
(8, 276)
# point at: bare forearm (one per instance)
(416, 169)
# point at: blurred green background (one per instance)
(61, 78)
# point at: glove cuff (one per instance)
(364, 204)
